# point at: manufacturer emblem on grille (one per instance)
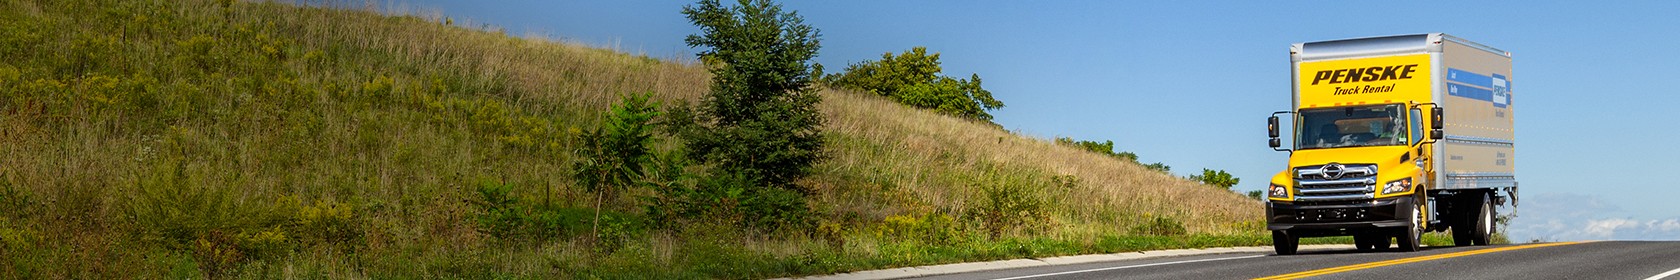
(1331, 171)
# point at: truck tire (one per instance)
(1284, 243)
(1482, 222)
(1407, 238)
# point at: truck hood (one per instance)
(1383, 156)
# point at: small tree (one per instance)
(1217, 178)
(611, 156)
(913, 78)
(759, 121)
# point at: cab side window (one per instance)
(1417, 125)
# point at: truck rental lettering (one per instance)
(1366, 74)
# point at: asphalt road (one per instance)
(1589, 260)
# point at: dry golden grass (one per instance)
(917, 146)
(464, 106)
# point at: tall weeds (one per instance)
(231, 139)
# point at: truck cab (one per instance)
(1373, 154)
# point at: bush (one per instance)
(611, 157)
(1215, 178)
(1006, 203)
(505, 216)
(178, 209)
(913, 78)
(931, 229)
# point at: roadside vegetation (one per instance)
(915, 78)
(1107, 148)
(231, 139)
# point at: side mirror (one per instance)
(1272, 128)
(1435, 118)
(1436, 134)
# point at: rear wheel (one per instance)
(1284, 243)
(1483, 230)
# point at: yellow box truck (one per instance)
(1391, 137)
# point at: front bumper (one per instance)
(1337, 220)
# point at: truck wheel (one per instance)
(1284, 243)
(1483, 222)
(1408, 237)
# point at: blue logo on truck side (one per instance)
(1496, 88)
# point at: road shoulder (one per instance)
(931, 270)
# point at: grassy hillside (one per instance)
(259, 140)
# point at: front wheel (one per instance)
(1284, 243)
(1407, 239)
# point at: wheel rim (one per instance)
(1416, 229)
(1417, 223)
(1487, 220)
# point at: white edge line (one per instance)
(956, 268)
(1165, 263)
(1664, 274)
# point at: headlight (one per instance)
(1397, 186)
(1277, 191)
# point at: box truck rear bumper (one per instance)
(1338, 220)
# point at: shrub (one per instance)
(774, 209)
(500, 214)
(178, 209)
(913, 78)
(931, 229)
(507, 217)
(611, 157)
(1217, 178)
(1006, 204)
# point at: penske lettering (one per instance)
(1367, 74)
(1364, 89)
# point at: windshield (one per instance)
(1377, 125)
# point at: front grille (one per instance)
(1335, 184)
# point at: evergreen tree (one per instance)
(760, 119)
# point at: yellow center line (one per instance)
(1339, 269)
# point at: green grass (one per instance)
(230, 139)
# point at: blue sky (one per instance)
(1189, 83)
